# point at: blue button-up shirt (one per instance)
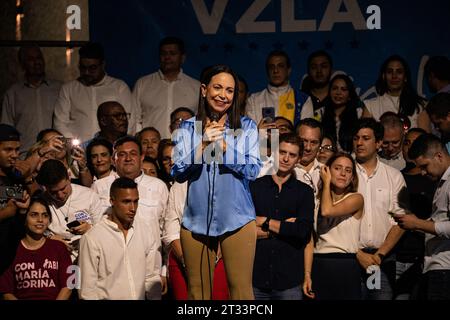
(219, 198)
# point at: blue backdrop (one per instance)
(242, 32)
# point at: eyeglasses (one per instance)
(326, 147)
(119, 116)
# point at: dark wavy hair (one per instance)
(348, 117)
(233, 112)
(96, 142)
(409, 99)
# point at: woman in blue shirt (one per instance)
(217, 153)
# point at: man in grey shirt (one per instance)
(431, 156)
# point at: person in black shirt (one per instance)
(284, 219)
(10, 221)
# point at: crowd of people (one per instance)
(197, 189)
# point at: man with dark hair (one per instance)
(31, 100)
(284, 219)
(316, 84)
(431, 156)
(129, 269)
(381, 186)
(438, 108)
(279, 94)
(75, 109)
(158, 94)
(68, 203)
(112, 120)
(179, 115)
(10, 221)
(437, 73)
(153, 193)
(307, 170)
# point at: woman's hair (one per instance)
(353, 186)
(348, 117)
(233, 112)
(162, 174)
(409, 99)
(96, 142)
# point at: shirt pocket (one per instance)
(382, 199)
(150, 212)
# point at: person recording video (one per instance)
(13, 196)
(219, 208)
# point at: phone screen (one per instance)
(268, 114)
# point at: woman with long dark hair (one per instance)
(396, 94)
(342, 111)
(218, 155)
(39, 269)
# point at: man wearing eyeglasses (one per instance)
(112, 120)
(307, 170)
(75, 109)
(391, 148)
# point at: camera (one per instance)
(11, 192)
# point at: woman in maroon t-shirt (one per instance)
(39, 270)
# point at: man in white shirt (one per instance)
(68, 203)
(391, 148)
(153, 193)
(307, 170)
(31, 100)
(431, 156)
(76, 107)
(383, 189)
(279, 94)
(158, 94)
(118, 260)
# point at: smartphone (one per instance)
(73, 224)
(268, 114)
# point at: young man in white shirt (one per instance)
(68, 203)
(431, 156)
(118, 261)
(153, 193)
(382, 187)
(158, 94)
(76, 107)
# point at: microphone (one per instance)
(214, 117)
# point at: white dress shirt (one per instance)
(30, 109)
(81, 199)
(117, 268)
(155, 98)
(76, 108)
(174, 212)
(397, 161)
(381, 192)
(312, 179)
(153, 195)
(437, 248)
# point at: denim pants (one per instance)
(271, 294)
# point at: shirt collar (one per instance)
(29, 85)
(162, 77)
(279, 90)
(315, 166)
(361, 169)
(445, 89)
(446, 175)
(111, 224)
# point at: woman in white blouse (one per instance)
(395, 93)
(336, 272)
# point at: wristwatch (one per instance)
(265, 225)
